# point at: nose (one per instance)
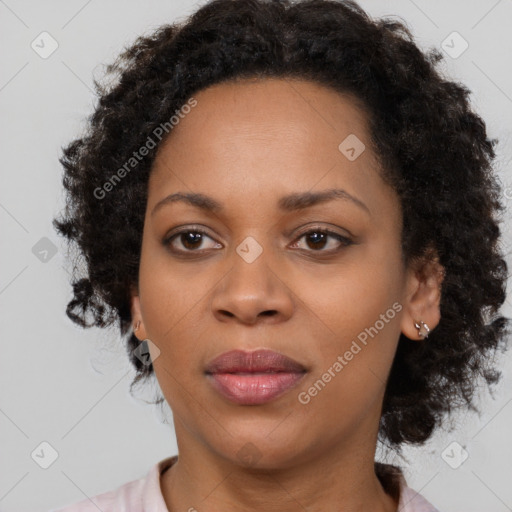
(252, 292)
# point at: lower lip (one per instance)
(253, 388)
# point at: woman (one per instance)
(292, 216)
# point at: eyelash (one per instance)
(344, 241)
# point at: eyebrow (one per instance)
(289, 203)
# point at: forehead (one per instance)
(285, 113)
(252, 105)
(263, 135)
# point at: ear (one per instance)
(423, 295)
(137, 322)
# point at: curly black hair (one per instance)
(433, 150)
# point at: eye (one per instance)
(191, 239)
(318, 239)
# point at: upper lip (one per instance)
(262, 360)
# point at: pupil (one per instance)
(190, 238)
(315, 234)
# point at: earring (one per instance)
(137, 325)
(423, 329)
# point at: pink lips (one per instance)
(252, 378)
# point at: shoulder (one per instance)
(395, 484)
(139, 495)
(412, 501)
(125, 497)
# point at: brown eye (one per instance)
(191, 240)
(318, 239)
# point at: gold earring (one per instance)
(423, 329)
(137, 325)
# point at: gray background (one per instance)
(69, 387)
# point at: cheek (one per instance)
(354, 321)
(167, 309)
(348, 300)
(170, 301)
(169, 290)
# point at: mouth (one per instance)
(252, 378)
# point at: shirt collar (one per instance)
(152, 496)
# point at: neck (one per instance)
(343, 479)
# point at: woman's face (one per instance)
(265, 275)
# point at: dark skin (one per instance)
(246, 145)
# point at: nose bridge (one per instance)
(251, 272)
(252, 285)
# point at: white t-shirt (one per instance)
(145, 495)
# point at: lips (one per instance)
(263, 361)
(251, 378)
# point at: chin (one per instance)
(261, 452)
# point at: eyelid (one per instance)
(321, 226)
(200, 229)
(343, 240)
(194, 228)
